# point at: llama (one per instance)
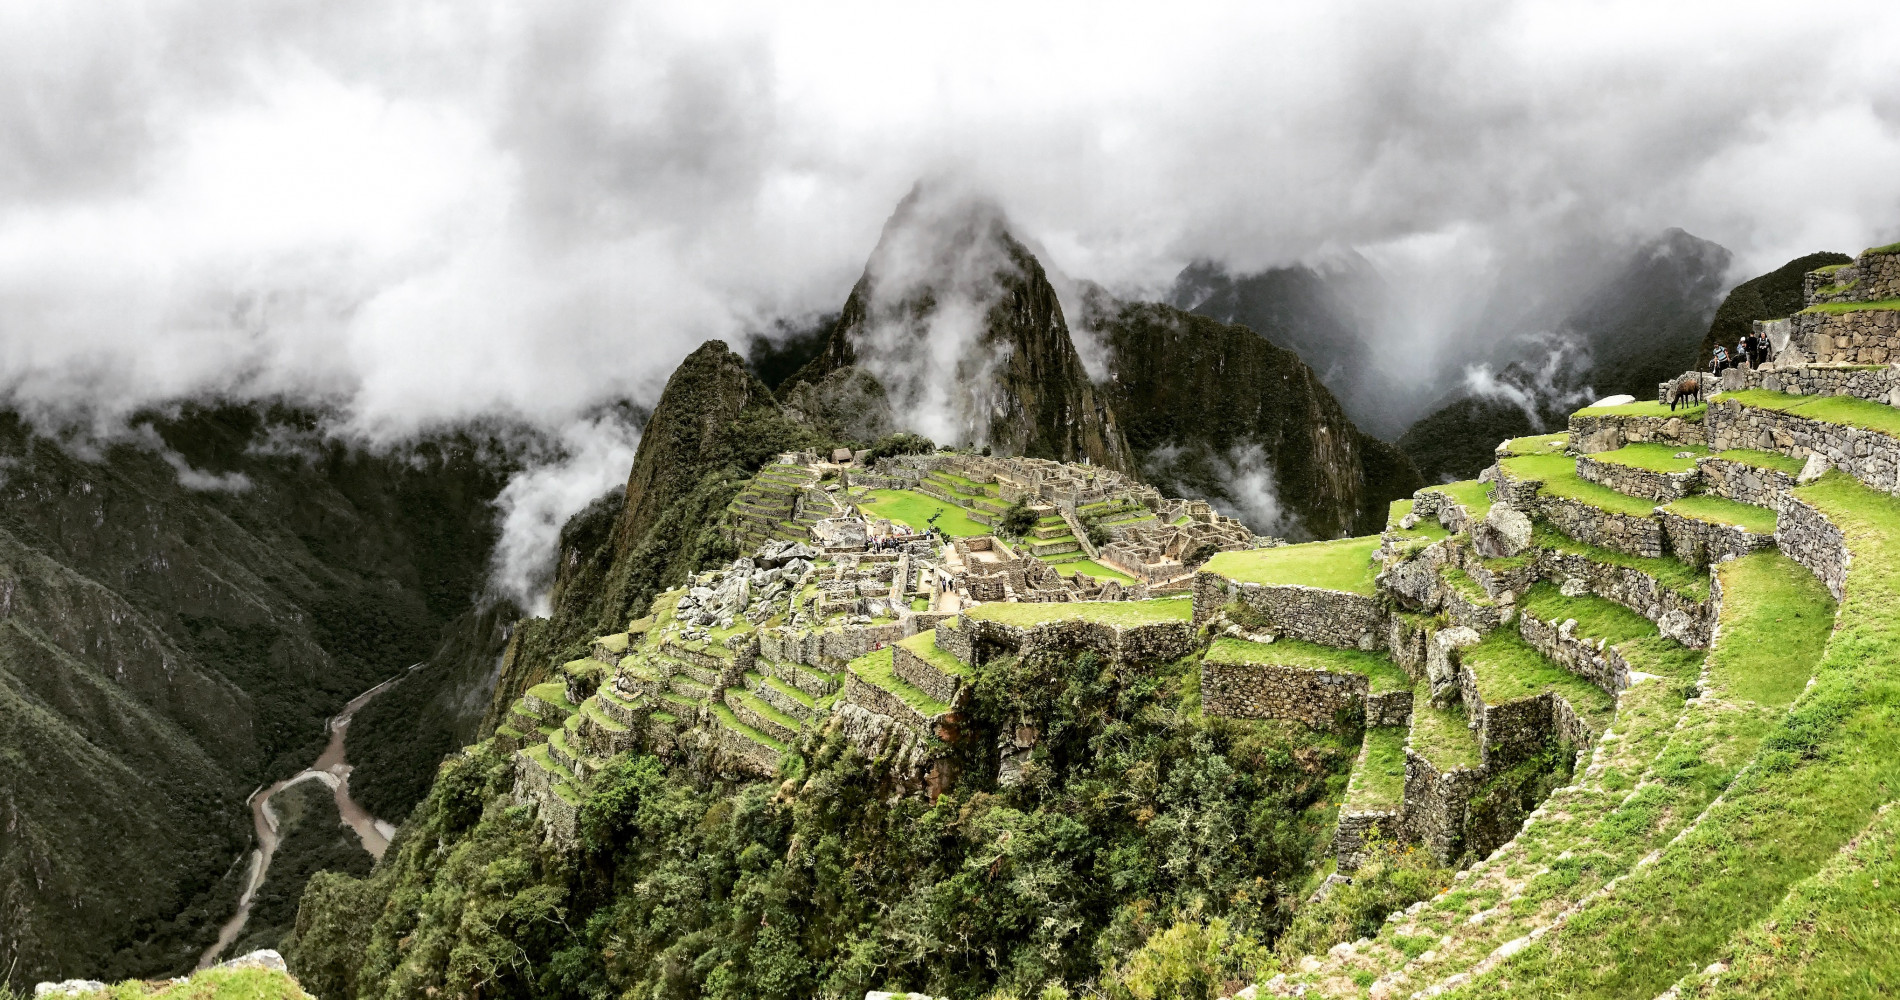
(1688, 385)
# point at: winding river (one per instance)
(330, 768)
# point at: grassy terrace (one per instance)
(1089, 567)
(1646, 408)
(1345, 564)
(554, 693)
(1845, 307)
(1779, 617)
(1596, 617)
(924, 644)
(1763, 460)
(1442, 736)
(1780, 839)
(1717, 510)
(1507, 668)
(1538, 444)
(1378, 782)
(1558, 473)
(1473, 496)
(915, 509)
(1380, 673)
(1847, 411)
(878, 668)
(1671, 573)
(1654, 457)
(1427, 528)
(1162, 609)
(731, 721)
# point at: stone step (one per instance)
(753, 711)
(809, 679)
(688, 688)
(782, 696)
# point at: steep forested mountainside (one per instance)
(1318, 313)
(1768, 296)
(178, 616)
(1639, 327)
(956, 318)
(1212, 410)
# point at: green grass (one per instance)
(766, 709)
(924, 644)
(1718, 510)
(1775, 622)
(554, 693)
(1466, 587)
(211, 984)
(1817, 780)
(1163, 609)
(1654, 457)
(1441, 736)
(878, 668)
(1427, 528)
(1844, 307)
(1671, 573)
(731, 721)
(1473, 496)
(1345, 564)
(1379, 781)
(1646, 408)
(1845, 411)
(915, 509)
(1558, 473)
(1508, 668)
(1089, 567)
(1538, 444)
(1381, 674)
(1596, 617)
(1763, 460)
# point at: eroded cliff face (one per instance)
(957, 320)
(1213, 410)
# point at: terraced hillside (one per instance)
(1731, 831)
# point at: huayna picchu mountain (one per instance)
(1613, 720)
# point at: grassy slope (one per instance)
(1717, 510)
(1381, 672)
(1654, 457)
(1378, 779)
(915, 509)
(1345, 564)
(1819, 776)
(1847, 411)
(1558, 473)
(1693, 413)
(1166, 609)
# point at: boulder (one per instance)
(1504, 532)
(1415, 584)
(1617, 400)
(1574, 586)
(1679, 626)
(1816, 468)
(68, 988)
(1441, 666)
(262, 959)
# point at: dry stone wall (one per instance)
(925, 676)
(1591, 434)
(1626, 533)
(1869, 456)
(1327, 617)
(1632, 588)
(1750, 484)
(1702, 543)
(1805, 535)
(1436, 804)
(1876, 384)
(1320, 699)
(1855, 337)
(1355, 830)
(1661, 487)
(971, 638)
(1602, 665)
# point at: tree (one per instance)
(1019, 520)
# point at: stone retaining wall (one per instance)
(1750, 484)
(1805, 535)
(1603, 665)
(1355, 829)
(1481, 617)
(881, 702)
(1407, 639)
(1869, 456)
(1661, 487)
(1320, 699)
(1328, 617)
(1157, 641)
(740, 753)
(1436, 803)
(1876, 384)
(1591, 434)
(1625, 533)
(925, 676)
(1393, 708)
(1857, 337)
(1630, 587)
(1702, 543)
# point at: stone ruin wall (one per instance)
(1591, 434)
(1702, 543)
(1436, 804)
(1605, 667)
(1873, 384)
(1869, 456)
(1743, 482)
(1316, 698)
(1353, 831)
(1805, 535)
(1632, 588)
(1661, 487)
(1857, 337)
(1327, 617)
(1626, 533)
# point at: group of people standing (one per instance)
(1752, 350)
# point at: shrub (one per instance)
(901, 443)
(1189, 961)
(1019, 520)
(1393, 877)
(1202, 553)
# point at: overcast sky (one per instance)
(429, 210)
